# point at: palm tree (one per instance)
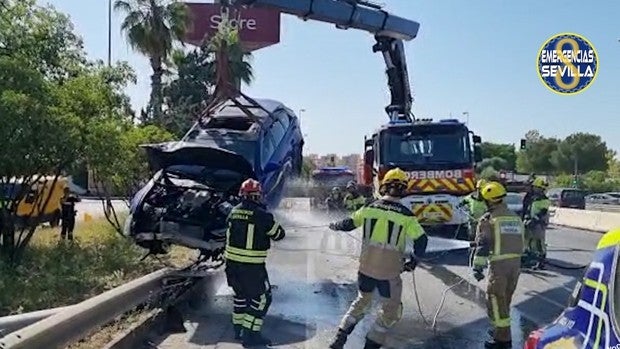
(225, 44)
(152, 27)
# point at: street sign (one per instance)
(258, 28)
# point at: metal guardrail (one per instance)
(74, 322)
(13, 323)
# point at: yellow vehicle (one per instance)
(40, 203)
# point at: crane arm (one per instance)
(389, 30)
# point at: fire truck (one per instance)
(440, 158)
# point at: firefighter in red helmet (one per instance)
(251, 228)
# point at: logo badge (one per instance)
(567, 63)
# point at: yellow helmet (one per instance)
(493, 192)
(395, 176)
(540, 183)
(481, 183)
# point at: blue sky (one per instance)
(476, 56)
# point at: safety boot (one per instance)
(254, 339)
(238, 329)
(370, 344)
(493, 344)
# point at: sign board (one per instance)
(258, 28)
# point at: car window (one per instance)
(614, 195)
(277, 132)
(284, 119)
(514, 199)
(267, 150)
(572, 194)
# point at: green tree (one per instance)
(152, 27)
(504, 151)
(537, 155)
(238, 60)
(586, 151)
(24, 26)
(495, 163)
(187, 93)
(307, 167)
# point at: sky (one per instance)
(476, 56)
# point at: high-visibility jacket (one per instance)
(250, 232)
(354, 202)
(500, 236)
(387, 227)
(476, 205)
(539, 207)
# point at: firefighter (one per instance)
(535, 219)
(476, 206)
(67, 214)
(387, 227)
(248, 238)
(499, 245)
(334, 201)
(353, 200)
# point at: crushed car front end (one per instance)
(188, 199)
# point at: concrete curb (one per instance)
(598, 221)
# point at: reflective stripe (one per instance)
(498, 321)
(603, 289)
(243, 259)
(503, 257)
(480, 261)
(249, 253)
(237, 319)
(249, 239)
(274, 229)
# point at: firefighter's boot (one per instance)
(253, 339)
(493, 344)
(370, 344)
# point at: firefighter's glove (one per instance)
(333, 226)
(410, 265)
(478, 274)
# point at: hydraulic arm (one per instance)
(390, 31)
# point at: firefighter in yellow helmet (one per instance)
(387, 226)
(476, 206)
(499, 245)
(536, 216)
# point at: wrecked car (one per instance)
(197, 179)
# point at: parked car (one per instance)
(567, 197)
(515, 202)
(592, 318)
(602, 199)
(196, 180)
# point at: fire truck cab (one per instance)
(439, 156)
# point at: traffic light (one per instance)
(523, 144)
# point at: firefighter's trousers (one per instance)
(391, 311)
(252, 294)
(535, 242)
(503, 279)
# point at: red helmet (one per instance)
(250, 186)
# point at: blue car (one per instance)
(592, 319)
(197, 179)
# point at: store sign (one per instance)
(258, 28)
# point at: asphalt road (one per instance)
(314, 272)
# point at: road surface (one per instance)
(94, 208)
(314, 272)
